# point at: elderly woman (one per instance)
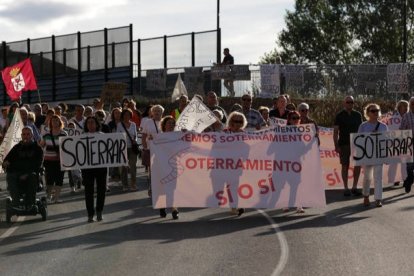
(264, 111)
(150, 128)
(217, 126)
(372, 113)
(130, 129)
(401, 108)
(236, 122)
(303, 109)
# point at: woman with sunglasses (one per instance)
(372, 113)
(305, 119)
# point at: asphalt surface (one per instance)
(344, 238)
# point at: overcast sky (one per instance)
(249, 28)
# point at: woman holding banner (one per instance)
(115, 173)
(168, 125)
(90, 175)
(130, 129)
(53, 173)
(372, 113)
(236, 122)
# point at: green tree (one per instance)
(343, 32)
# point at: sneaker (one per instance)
(99, 216)
(378, 203)
(163, 213)
(407, 187)
(90, 219)
(300, 210)
(347, 192)
(240, 212)
(356, 192)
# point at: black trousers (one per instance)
(89, 176)
(17, 187)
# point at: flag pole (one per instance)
(38, 94)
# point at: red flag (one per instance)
(19, 78)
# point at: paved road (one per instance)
(344, 238)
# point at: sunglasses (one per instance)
(304, 110)
(374, 110)
(294, 118)
(246, 100)
(350, 102)
(237, 121)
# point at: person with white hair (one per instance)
(303, 109)
(24, 115)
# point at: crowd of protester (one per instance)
(48, 123)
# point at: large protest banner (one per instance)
(240, 72)
(397, 77)
(93, 150)
(196, 116)
(221, 72)
(377, 148)
(269, 80)
(156, 80)
(272, 168)
(13, 136)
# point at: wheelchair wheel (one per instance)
(43, 212)
(8, 216)
(44, 201)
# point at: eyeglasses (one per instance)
(374, 110)
(246, 100)
(304, 110)
(294, 118)
(350, 102)
(237, 121)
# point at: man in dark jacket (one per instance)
(22, 164)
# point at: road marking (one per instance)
(284, 247)
(11, 230)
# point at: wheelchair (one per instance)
(17, 203)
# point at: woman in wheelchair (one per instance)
(22, 165)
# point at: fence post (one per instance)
(139, 66)
(53, 69)
(88, 56)
(64, 60)
(79, 66)
(4, 48)
(113, 55)
(218, 59)
(131, 60)
(106, 54)
(41, 63)
(165, 52)
(34, 72)
(192, 49)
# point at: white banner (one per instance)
(93, 150)
(13, 136)
(272, 168)
(196, 116)
(382, 147)
(269, 80)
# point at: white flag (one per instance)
(179, 89)
(13, 136)
(196, 116)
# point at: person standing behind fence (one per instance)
(228, 83)
(346, 122)
(372, 113)
(130, 129)
(407, 122)
(90, 175)
(53, 173)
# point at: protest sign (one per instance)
(270, 80)
(272, 168)
(93, 150)
(13, 136)
(221, 72)
(277, 121)
(393, 122)
(377, 148)
(397, 77)
(240, 72)
(113, 92)
(156, 80)
(72, 131)
(194, 80)
(196, 116)
(294, 76)
(331, 166)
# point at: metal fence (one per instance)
(363, 81)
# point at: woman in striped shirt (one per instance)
(50, 143)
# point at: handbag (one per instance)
(134, 145)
